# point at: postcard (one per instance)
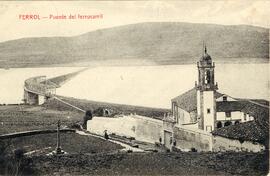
(134, 87)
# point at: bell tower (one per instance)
(206, 90)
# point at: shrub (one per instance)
(193, 149)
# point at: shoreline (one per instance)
(114, 63)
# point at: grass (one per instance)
(16, 118)
(157, 113)
(93, 156)
(71, 143)
(153, 164)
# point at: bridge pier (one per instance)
(33, 99)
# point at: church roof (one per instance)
(206, 57)
(188, 100)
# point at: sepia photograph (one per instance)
(134, 87)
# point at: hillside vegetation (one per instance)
(142, 43)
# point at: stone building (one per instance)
(203, 107)
(208, 120)
(202, 119)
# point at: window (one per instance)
(208, 111)
(207, 77)
(228, 114)
(219, 124)
(225, 98)
(245, 116)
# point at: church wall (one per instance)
(198, 103)
(186, 139)
(208, 103)
(183, 116)
(225, 144)
(193, 116)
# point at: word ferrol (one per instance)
(58, 17)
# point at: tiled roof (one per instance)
(248, 131)
(225, 106)
(260, 114)
(188, 100)
(260, 101)
(257, 130)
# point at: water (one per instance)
(12, 81)
(152, 86)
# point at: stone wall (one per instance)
(226, 144)
(148, 130)
(141, 128)
(186, 139)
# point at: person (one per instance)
(106, 136)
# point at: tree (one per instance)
(87, 116)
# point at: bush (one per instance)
(193, 149)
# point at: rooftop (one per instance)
(255, 131)
(188, 100)
(248, 131)
(227, 106)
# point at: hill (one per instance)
(142, 43)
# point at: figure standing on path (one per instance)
(106, 136)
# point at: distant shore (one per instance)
(130, 63)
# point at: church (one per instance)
(205, 119)
(201, 119)
(205, 108)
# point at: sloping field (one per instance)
(154, 164)
(16, 118)
(157, 113)
(72, 143)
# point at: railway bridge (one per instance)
(38, 89)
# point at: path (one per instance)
(126, 147)
(69, 104)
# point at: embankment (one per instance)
(157, 113)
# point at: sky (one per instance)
(228, 12)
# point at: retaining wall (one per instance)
(141, 128)
(186, 139)
(225, 144)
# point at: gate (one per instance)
(168, 139)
